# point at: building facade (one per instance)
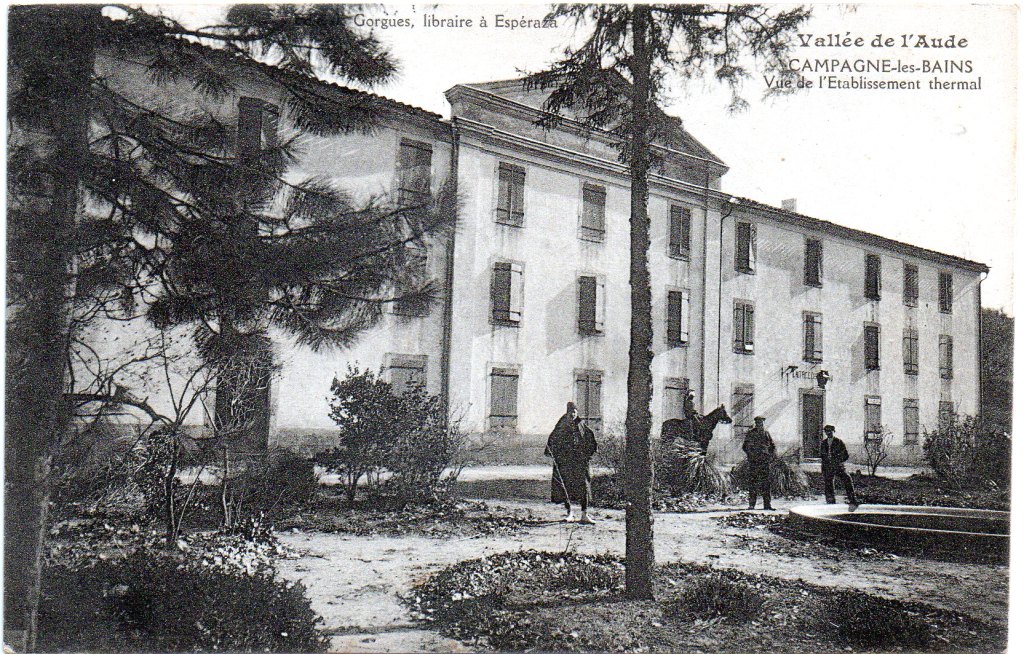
(757, 308)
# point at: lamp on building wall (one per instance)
(823, 378)
(790, 369)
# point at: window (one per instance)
(675, 397)
(507, 294)
(406, 371)
(812, 262)
(417, 274)
(414, 173)
(257, 126)
(504, 398)
(872, 417)
(871, 361)
(946, 292)
(910, 351)
(742, 409)
(591, 305)
(678, 317)
(946, 413)
(588, 397)
(872, 277)
(910, 293)
(946, 357)
(592, 220)
(812, 337)
(743, 328)
(679, 232)
(511, 189)
(911, 422)
(746, 247)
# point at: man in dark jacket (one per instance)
(833, 458)
(570, 445)
(760, 450)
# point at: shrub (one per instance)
(404, 439)
(154, 603)
(876, 449)
(787, 478)
(682, 468)
(963, 454)
(714, 595)
(267, 485)
(860, 620)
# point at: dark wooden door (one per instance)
(813, 420)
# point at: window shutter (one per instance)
(515, 303)
(818, 338)
(504, 193)
(871, 361)
(737, 327)
(808, 337)
(675, 231)
(945, 292)
(872, 276)
(593, 210)
(594, 398)
(675, 312)
(504, 393)
(684, 317)
(910, 285)
(501, 292)
(587, 304)
(812, 263)
(752, 256)
(518, 191)
(748, 328)
(599, 306)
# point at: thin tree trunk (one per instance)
(638, 465)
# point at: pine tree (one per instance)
(120, 207)
(616, 80)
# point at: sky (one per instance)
(934, 168)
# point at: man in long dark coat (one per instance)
(760, 450)
(570, 445)
(833, 458)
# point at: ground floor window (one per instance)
(588, 397)
(911, 422)
(742, 409)
(504, 387)
(406, 371)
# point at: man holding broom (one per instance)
(570, 446)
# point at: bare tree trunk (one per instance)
(638, 465)
(52, 54)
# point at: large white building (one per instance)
(751, 302)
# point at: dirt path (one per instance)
(354, 582)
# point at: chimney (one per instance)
(789, 205)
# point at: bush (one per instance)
(268, 485)
(787, 478)
(714, 595)
(682, 468)
(398, 446)
(963, 454)
(860, 620)
(155, 603)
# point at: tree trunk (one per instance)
(53, 55)
(638, 465)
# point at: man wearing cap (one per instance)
(570, 446)
(760, 450)
(833, 458)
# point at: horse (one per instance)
(700, 432)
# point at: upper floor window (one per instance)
(812, 262)
(743, 327)
(592, 220)
(812, 337)
(871, 359)
(678, 317)
(946, 357)
(945, 292)
(507, 293)
(746, 247)
(588, 397)
(872, 277)
(257, 126)
(504, 389)
(414, 172)
(679, 232)
(910, 350)
(511, 190)
(591, 305)
(910, 292)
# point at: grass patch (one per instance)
(532, 600)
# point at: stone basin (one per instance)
(965, 530)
